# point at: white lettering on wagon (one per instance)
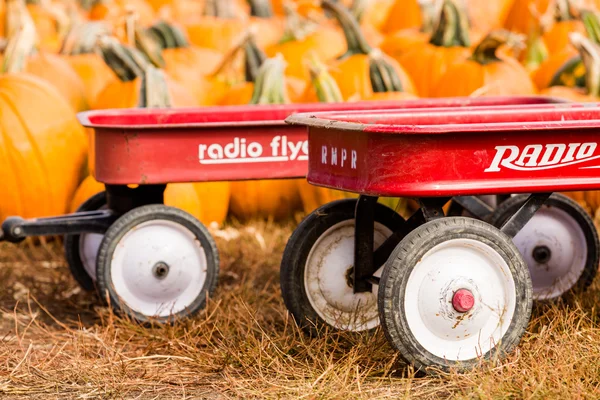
(535, 157)
(240, 151)
(329, 156)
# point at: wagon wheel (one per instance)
(81, 250)
(157, 263)
(455, 289)
(559, 244)
(316, 269)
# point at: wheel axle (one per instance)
(463, 300)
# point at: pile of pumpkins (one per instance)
(60, 57)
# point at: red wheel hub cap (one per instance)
(463, 300)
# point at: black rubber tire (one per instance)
(299, 246)
(507, 208)
(407, 256)
(129, 221)
(71, 245)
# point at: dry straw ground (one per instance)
(57, 342)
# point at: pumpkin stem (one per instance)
(384, 77)
(253, 56)
(168, 36)
(154, 91)
(358, 9)
(357, 44)
(325, 86)
(296, 27)
(22, 40)
(82, 38)
(223, 9)
(19, 48)
(261, 8)
(591, 23)
(452, 27)
(16, 13)
(126, 62)
(136, 37)
(536, 52)
(269, 87)
(590, 55)
(485, 52)
(564, 11)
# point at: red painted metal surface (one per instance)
(447, 152)
(228, 143)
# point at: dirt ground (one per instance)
(59, 342)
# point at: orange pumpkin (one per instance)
(362, 70)
(186, 64)
(208, 202)
(566, 20)
(489, 14)
(278, 199)
(485, 73)
(49, 67)
(403, 14)
(449, 44)
(43, 146)
(520, 18)
(301, 38)
(590, 54)
(112, 10)
(242, 90)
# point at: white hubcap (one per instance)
(554, 247)
(89, 245)
(158, 268)
(326, 274)
(454, 267)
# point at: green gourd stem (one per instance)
(485, 52)
(325, 86)
(590, 55)
(154, 90)
(355, 39)
(261, 8)
(452, 27)
(168, 36)
(269, 87)
(22, 40)
(219, 8)
(296, 27)
(126, 62)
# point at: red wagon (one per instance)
(447, 289)
(156, 262)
